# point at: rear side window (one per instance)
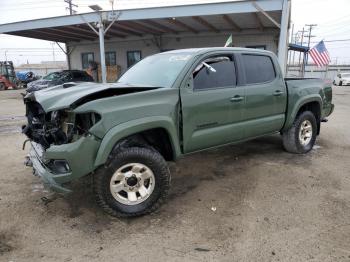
(258, 69)
(222, 74)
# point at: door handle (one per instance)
(278, 93)
(236, 98)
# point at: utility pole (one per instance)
(70, 7)
(290, 41)
(296, 39)
(311, 26)
(301, 42)
(53, 51)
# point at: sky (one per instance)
(332, 19)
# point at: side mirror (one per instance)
(67, 85)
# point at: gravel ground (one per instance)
(249, 202)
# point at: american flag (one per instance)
(320, 55)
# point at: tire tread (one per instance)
(290, 143)
(122, 152)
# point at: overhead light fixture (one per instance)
(95, 7)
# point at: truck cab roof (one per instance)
(213, 49)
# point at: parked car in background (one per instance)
(342, 79)
(25, 77)
(166, 106)
(59, 78)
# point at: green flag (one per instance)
(229, 41)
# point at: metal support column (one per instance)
(102, 50)
(282, 45)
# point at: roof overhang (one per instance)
(235, 16)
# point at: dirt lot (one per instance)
(250, 202)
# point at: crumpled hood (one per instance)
(67, 97)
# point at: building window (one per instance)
(262, 47)
(111, 58)
(86, 58)
(133, 57)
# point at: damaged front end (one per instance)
(62, 148)
(56, 127)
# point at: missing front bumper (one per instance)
(79, 157)
(35, 160)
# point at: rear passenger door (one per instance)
(265, 93)
(211, 104)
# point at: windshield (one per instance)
(345, 75)
(158, 70)
(53, 76)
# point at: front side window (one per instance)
(86, 58)
(133, 57)
(215, 72)
(258, 69)
(111, 58)
(2, 70)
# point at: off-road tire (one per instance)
(124, 155)
(2, 87)
(291, 142)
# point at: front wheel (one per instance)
(2, 86)
(301, 136)
(134, 182)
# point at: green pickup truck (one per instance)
(166, 106)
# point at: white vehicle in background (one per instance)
(342, 79)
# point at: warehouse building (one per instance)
(117, 39)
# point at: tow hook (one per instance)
(28, 162)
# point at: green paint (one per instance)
(194, 120)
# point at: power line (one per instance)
(27, 48)
(336, 40)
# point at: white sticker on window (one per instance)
(179, 58)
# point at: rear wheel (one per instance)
(340, 83)
(134, 182)
(301, 136)
(2, 86)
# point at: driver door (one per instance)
(211, 104)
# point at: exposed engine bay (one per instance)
(56, 127)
